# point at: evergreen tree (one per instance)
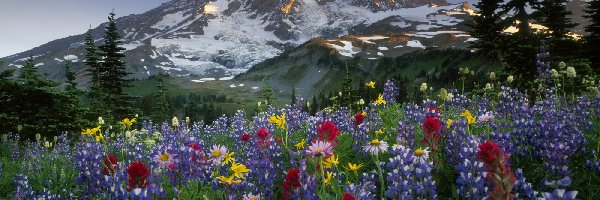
(487, 27)
(70, 75)
(267, 91)
(520, 48)
(593, 39)
(314, 106)
(346, 89)
(11, 107)
(113, 75)
(554, 16)
(42, 108)
(520, 14)
(30, 77)
(92, 60)
(161, 105)
(293, 95)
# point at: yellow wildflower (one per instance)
(354, 167)
(278, 120)
(229, 180)
(379, 132)
(239, 170)
(91, 131)
(470, 119)
(380, 100)
(331, 161)
(327, 180)
(300, 145)
(229, 158)
(449, 123)
(371, 84)
(127, 121)
(99, 137)
(363, 113)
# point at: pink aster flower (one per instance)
(217, 153)
(164, 159)
(320, 148)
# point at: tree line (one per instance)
(517, 52)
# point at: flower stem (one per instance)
(322, 175)
(380, 172)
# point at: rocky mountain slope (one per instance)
(223, 38)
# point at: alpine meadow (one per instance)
(302, 99)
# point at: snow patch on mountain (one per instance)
(415, 43)
(170, 20)
(346, 50)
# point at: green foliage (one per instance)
(161, 109)
(113, 75)
(36, 104)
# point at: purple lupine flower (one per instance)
(88, 158)
(309, 183)
(559, 193)
(471, 182)
(366, 189)
(544, 74)
(410, 176)
(523, 189)
(406, 135)
(23, 189)
(400, 177)
(390, 92)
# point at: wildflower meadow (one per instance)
(500, 143)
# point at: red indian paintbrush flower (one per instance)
(291, 181)
(431, 127)
(358, 119)
(245, 137)
(197, 149)
(499, 173)
(431, 124)
(348, 196)
(110, 164)
(328, 132)
(262, 133)
(137, 174)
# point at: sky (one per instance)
(25, 24)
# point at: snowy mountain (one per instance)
(223, 38)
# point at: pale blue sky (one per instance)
(25, 24)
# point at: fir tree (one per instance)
(520, 48)
(554, 16)
(346, 89)
(30, 77)
(520, 14)
(593, 39)
(92, 60)
(293, 95)
(314, 106)
(113, 75)
(161, 105)
(487, 27)
(70, 75)
(267, 91)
